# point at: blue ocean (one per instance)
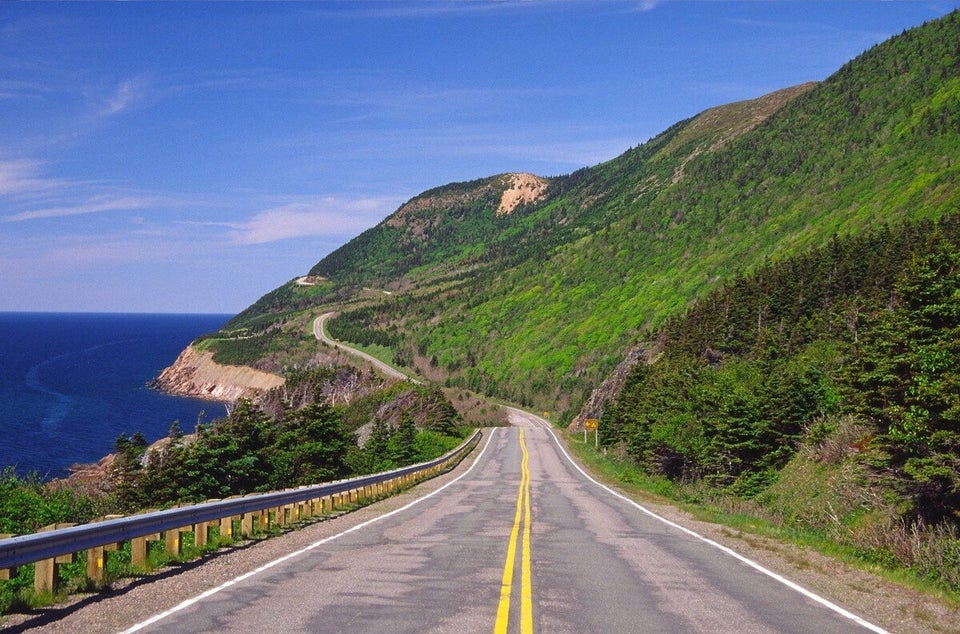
(71, 383)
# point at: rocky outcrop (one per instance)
(523, 188)
(196, 374)
(610, 388)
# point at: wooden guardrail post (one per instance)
(45, 572)
(264, 522)
(139, 547)
(201, 531)
(200, 534)
(96, 563)
(226, 527)
(97, 556)
(171, 541)
(6, 573)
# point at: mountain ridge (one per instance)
(539, 304)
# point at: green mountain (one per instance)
(532, 288)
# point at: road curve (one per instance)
(523, 541)
(320, 333)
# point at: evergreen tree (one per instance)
(403, 442)
(377, 447)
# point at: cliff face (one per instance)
(607, 391)
(196, 374)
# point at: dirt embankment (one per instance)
(196, 374)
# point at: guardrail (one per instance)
(60, 543)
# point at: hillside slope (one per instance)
(823, 389)
(539, 304)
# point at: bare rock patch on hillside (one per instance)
(196, 374)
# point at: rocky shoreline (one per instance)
(196, 374)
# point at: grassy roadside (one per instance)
(740, 518)
(380, 353)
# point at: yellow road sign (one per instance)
(591, 424)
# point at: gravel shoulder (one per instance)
(890, 605)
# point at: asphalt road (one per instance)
(320, 333)
(522, 541)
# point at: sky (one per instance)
(191, 157)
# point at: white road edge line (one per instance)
(773, 575)
(189, 602)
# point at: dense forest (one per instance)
(848, 355)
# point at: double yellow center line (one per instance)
(506, 588)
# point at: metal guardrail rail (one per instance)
(49, 545)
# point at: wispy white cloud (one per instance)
(97, 205)
(127, 94)
(421, 8)
(429, 8)
(326, 216)
(514, 149)
(647, 5)
(18, 89)
(28, 192)
(23, 175)
(65, 255)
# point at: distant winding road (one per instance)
(319, 331)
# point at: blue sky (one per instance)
(190, 157)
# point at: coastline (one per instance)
(196, 374)
(72, 382)
(193, 374)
